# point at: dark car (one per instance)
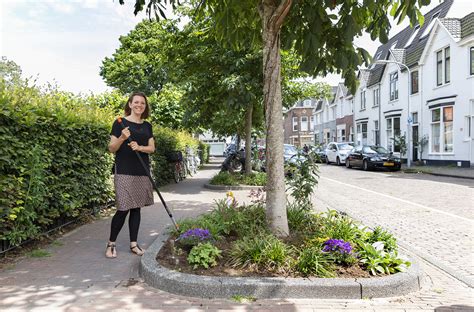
(320, 152)
(372, 157)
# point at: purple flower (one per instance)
(337, 245)
(194, 236)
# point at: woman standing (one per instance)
(133, 189)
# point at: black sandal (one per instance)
(112, 248)
(135, 252)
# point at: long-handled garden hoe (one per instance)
(120, 121)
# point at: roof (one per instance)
(413, 52)
(467, 25)
(345, 91)
(453, 25)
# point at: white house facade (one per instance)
(421, 88)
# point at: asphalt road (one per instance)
(431, 216)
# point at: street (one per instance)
(430, 216)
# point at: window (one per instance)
(414, 82)
(362, 100)
(442, 130)
(447, 65)
(430, 25)
(376, 97)
(306, 103)
(376, 132)
(304, 123)
(443, 57)
(364, 133)
(393, 131)
(393, 86)
(295, 123)
(311, 123)
(414, 118)
(343, 135)
(415, 32)
(472, 60)
(351, 134)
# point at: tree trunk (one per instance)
(248, 140)
(273, 13)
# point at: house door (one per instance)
(414, 132)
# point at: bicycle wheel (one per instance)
(182, 170)
(175, 170)
(189, 168)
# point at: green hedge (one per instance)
(53, 159)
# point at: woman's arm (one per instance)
(115, 142)
(150, 148)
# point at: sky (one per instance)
(64, 41)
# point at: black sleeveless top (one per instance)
(126, 160)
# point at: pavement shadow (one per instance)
(455, 308)
(429, 177)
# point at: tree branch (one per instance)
(280, 14)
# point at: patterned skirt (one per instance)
(132, 192)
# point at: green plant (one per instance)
(261, 251)
(243, 299)
(400, 143)
(381, 235)
(421, 143)
(338, 226)
(311, 261)
(204, 255)
(224, 178)
(378, 261)
(301, 179)
(39, 253)
(255, 178)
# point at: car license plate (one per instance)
(388, 164)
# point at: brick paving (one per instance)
(77, 277)
(433, 218)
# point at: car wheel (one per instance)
(348, 164)
(338, 161)
(327, 160)
(365, 165)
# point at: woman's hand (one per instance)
(125, 134)
(134, 146)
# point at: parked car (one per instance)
(371, 157)
(320, 152)
(337, 152)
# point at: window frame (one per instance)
(443, 66)
(392, 132)
(295, 123)
(393, 90)
(471, 58)
(376, 97)
(412, 84)
(363, 100)
(304, 124)
(445, 130)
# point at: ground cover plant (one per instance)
(236, 178)
(235, 240)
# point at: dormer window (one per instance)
(430, 25)
(413, 35)
(307, 103)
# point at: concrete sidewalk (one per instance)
(445, 171)
(77, 277)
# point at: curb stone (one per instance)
(231, 187)
(186, 284)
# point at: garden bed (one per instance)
(234, 240)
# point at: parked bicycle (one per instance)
(190, 161)
(178, 168)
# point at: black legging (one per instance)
(133, 224)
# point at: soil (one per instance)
(178, 261)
